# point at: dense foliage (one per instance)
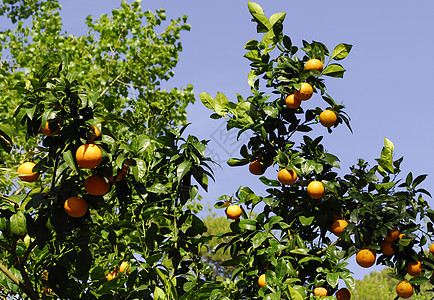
(140, 238)
(290, 240)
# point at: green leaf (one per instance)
(295, 295)
(253, 56)
(221, 104)
(251, 45)
(251, 78)
(207, 100)
(332, 279)
(69, 159)
(277, 18)
(341, 51)
(263, 24)
(348, 279)
(255, 8)
(157, 188)
(334, 70)
(306, 221)
(418, 280)
(248, 224)
(183, 169)
(237, 162)
(271, 111)
(18, 223)
(281, 269)
(259, 238)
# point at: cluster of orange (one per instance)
(88, 156)
(328, 117)
(366, 258)
(123, 268)
(341, 294)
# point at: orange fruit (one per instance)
(287, 177)
(315, 189)
(328, 118)
(392, 235)
(414, 268)
(305, 91)
(112, 275)
(51, 127)
(386, 248)
(404, 289)
(365, 258)
(401, 235)
(314, 64)
(25, 172)
(292, 102)
(338, 226)
(88, 156)
(124, 267)
(93, 134)
(233, 212)
(96, 185)
(320, 291)
(75, 207)
(256, 168)
(431, 249)
(261, 280)
(343, 294)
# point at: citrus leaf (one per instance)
(341, 51)
(334, 70)
(207, 100)
(18, 223)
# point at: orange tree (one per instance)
(60, 238)
(290, 240)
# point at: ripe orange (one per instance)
(401, 235)
(305, 91)
(343, 294)
(315, 189)
(124, 267)
(404, 289)
(96, 185)
(25, 172)
(314, 64)
(93, 134)
(320, 291)
(287, 177)
(431, 249)
(386, 248)
(392, 235)
(88, 156)
(338, 226)
(365, 258)
(328, 118)
(261, 280)
(112, 275)
(75, 207)
(414, 268)
(233, 212)
(292, 102)
(256, 168)
(51, 127)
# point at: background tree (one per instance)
(289, 241)
(379, 285)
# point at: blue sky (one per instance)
(386, 89)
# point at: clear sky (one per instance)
(386, 88)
